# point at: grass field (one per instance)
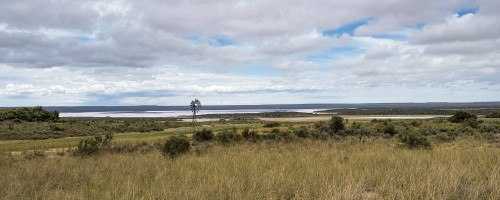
(362, 162)
(306, 169)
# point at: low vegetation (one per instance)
(305, 169)
(494, 114)
(443, 158)
(78, 127)
(93, 145)
(175, 146)
(27, 114)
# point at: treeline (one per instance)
(36, 114)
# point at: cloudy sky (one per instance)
(168, 52)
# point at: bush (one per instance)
(204, 135)
(175, 146)
(389, 129)
(460, 116)
(247, 134)
(228, 136)
(494, 114)
(302, 132)
(413, 140)
(272, 124)
(35, 114)
(93, 145)
(444, 137)
(471, 122)
(337, 124)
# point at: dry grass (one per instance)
(269, 170)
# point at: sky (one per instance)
(230, 52)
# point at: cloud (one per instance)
(128, 52)
(470, 27)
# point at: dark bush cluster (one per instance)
(36, 114)
(203, 135)
(250, 134)
(337, 124)
(272, 124)
(460, 116)
(228, 136)
(175, 146)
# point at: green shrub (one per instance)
(302, 132)
(494, 114)
(445, 137)
(413, 140)
(35, 114)
(228, 136)
(93, 145)
(471, 122)
(460, 116)
(204, 135)
(389, 129)
(416, 123)
(272, 124)
(175, 146)
(337, 124)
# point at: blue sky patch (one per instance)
(467, 11)
(391, 37)
(348, 29)
(212, 40)
(224, 41)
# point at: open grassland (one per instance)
(7, 146)
(302, 169)
(284, 158)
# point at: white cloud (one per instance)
(129, 52)
(469, 27)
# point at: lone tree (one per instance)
(461, 116)
(195, 108)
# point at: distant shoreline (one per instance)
(325, 106)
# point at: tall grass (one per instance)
(303, 169)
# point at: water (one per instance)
(176, 113)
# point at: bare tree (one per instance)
(195, 108)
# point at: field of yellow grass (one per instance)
(304, 169)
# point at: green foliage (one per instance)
(78, 127)
(175, 146)
(389, 129)
(337, 124)
(227, 136)
(460, 116)
(413, 140)
(272, 124)
(445, 137)
(302, 132)
(471, 122)
(246, 132)
(36, 114)
(250, 134)
(93, 145)
(494, 114)
(203, 135)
